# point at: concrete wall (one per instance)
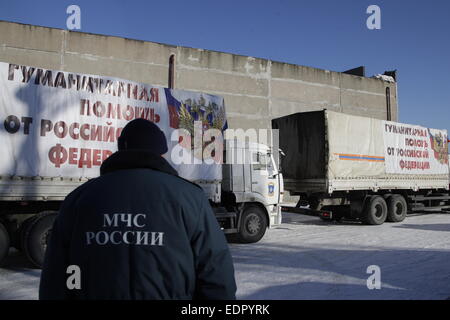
(255, 90)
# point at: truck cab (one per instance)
(251, 192)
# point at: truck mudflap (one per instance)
(323, 214)
(275, 216)
(227, 221)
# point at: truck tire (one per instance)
(36, 235)
(4, 243)
(375, 211)
(20, 234)
(397, 208)
(253, 225)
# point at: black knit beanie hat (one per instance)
(144, 135)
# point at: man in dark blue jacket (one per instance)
(138, 231)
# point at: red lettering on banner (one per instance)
(84, 157)
(57, 155)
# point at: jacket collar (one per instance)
(134, 159)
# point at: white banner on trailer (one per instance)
(61, 124)
(366, 148)
(413, 149)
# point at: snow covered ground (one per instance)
(307, 258)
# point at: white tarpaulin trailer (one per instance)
(329, 151)
(362, 168)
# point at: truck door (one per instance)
(273, 181)
(264, 177)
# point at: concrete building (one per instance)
(255, 90)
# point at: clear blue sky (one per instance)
(328, 34)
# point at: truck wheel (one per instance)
(397, 208)
(375, 212)
(4, 243)
(36, 235)
(253, 225)
(19, 235)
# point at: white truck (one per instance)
(57, 128)
(362, 168)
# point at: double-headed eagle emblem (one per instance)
(439, 144)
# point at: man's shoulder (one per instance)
(175, 183)
(72, 196)
(178, 183)
(189, 184)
